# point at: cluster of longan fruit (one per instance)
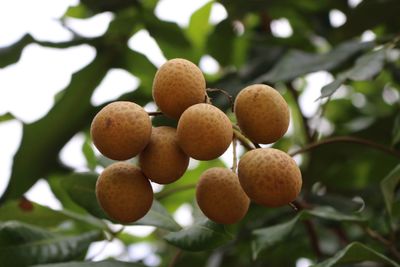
(123, 130)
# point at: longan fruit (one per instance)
(204, 132)
(121, 130)
(163, 161)
(269, 176)
(123, 192)
(262, 113)
(177, 85)
(220, 196)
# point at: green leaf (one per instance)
(270, 236)
(6, 117)
(367, 66)
(159, 217)
(89, 154)
(331, 88)
(42, 140)
(35, 214)
(396, 130)
(388, 188)
(298, 63)
(202, 235)
(199, 26)
(106, 263)
(81, 188)
(23, 245)
(356, 253)
(12, 53)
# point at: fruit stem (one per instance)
(243, 140)
(234, 163)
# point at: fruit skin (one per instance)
(269, 176)
(177, 85)
(163, 161)
(121, 130)
(220, 196)
(204, 132)
(262, 113)
(123, 192)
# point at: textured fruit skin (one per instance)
(262, 113)
(269, 176)
(163, 161)
(220, 196)
(123, 192)
(177, 85)
(121, 130)
(204, 132)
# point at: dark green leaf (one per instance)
(329, 213)
(396, 130)
(106, 263)
(23, 245)
(81, 189)
(42, 140)
(367, 66)
(11, 54)
(202, 235)
(6, 117)
(267, 237)
(356, 253)
(220, 44)
(35, 214)
(298, 63)
(159, 217)
(388, 188)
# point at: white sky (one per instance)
(27, 88)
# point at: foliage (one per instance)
(349, 208)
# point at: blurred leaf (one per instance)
(331, 87)
(367, 66)
(11, 54)
(79, 11)
(81, 189)
(298, 63)
(268, 237)
(6, 117)
(35, 214)
(220, 44)
(396, 130)
(202, 235)
(159, 217)
(23, 245)
(105, 263)
(388, 188)
(356, 253)
(89, 154)
(42, 140)
(169, 37)
(199, 26)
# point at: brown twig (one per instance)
(234, 163)
(243, 140)
(347, 139)
(314, 240)
(155, 113)
(378, 237)
(167, 193)
(175, 259)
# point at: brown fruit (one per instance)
(121, 130)
(269, 176)
(177, 85)
(204, 132)
(220, 196)
(123, 192)
(262, 113)
(163, 161)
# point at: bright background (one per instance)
(28, 88)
